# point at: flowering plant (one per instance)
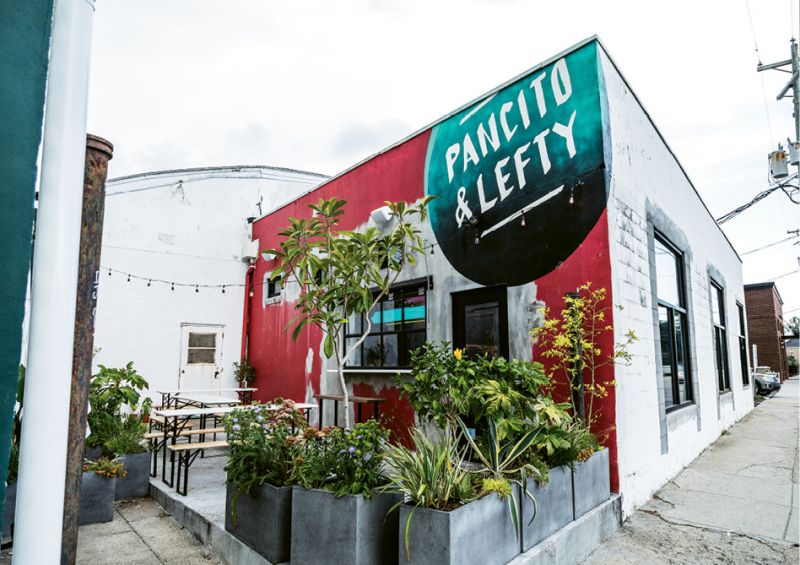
(107, 468)
(261, 450)
(343, 461)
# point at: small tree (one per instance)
(572, 343)
(344, 273)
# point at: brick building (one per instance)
(765, 325)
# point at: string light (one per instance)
(149, 281)
(223, 289)
(173, 286)
(572, 195)
(522, 223)
(109, 272)
(196, 288)
(129, 277)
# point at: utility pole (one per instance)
(793, 84)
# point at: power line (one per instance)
(760, 196)
(770, 244)
(783, 275)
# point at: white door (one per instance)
(201, 357)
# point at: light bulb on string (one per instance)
(149, 281)
(196, 288)
(129, 277)
(522, 223)
(572, 195)
(172, 287)
(477, 240)
(223, 289)
(109, 271)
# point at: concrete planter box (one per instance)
(349, 529)
(554, 507)
(136, 484)
(263, 522)
(479, 532)
(8, 511)
(591, 483)
(97, 499)
(92, 453)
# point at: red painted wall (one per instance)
(590, 262)
(394, 175)
(281, 363)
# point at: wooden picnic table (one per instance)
(204, 400)
(246, 393)
(358, 402)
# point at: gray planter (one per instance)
(136, 484)
(8, 511)
(554, 507)
(591, 483)
(92, 453)
(263, 522)
(479, 532)
(97, 499)
(349, 529)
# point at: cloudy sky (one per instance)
(319, 85)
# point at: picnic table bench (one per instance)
(187, 453)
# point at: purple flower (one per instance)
(260, 418)
(351, 449)
(236, 427)
(367, 456)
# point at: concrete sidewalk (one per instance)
(737, 502)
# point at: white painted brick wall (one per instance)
(645, 172)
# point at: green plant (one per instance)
(111, 392)
(445, 386)
(342, 461)
(244, 372)
(793, 365)
(128, 438)
(344, 273)
(573, 344)
(262, 446)
(108, 468)
(505, 462)
(430, 476)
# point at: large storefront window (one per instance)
(673, 327)
(720, 336)
(398, 327)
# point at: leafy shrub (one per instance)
(112, 392)
(262, 445)
(343, 461)
(128, 438)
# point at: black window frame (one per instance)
(681, 312)
(274, 287)
(721, 353)
(409, 288)
(743, 346)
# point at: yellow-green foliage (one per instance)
(500, 486)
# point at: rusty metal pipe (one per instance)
(98, 153)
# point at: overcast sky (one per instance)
(319, 85)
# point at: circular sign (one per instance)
(519, 176)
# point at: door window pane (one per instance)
(392, 315)
(414, 313)
(482, 329)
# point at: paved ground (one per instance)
(140, 534)
(737, 502)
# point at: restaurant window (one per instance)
(274, 287)
(720, 336)
(202, 347)
(398, 327)
(672, 323)
(743, 347)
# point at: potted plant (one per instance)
(258, 505)
(98, 484)
(128, 446)
(448, 520)
(114, 398)
(338, 513)
(244, 373)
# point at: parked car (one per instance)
(766, 381)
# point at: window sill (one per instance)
(680, 407)
(272, 300)
(726, 391)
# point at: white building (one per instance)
(166, 236)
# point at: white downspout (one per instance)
(40, 492)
